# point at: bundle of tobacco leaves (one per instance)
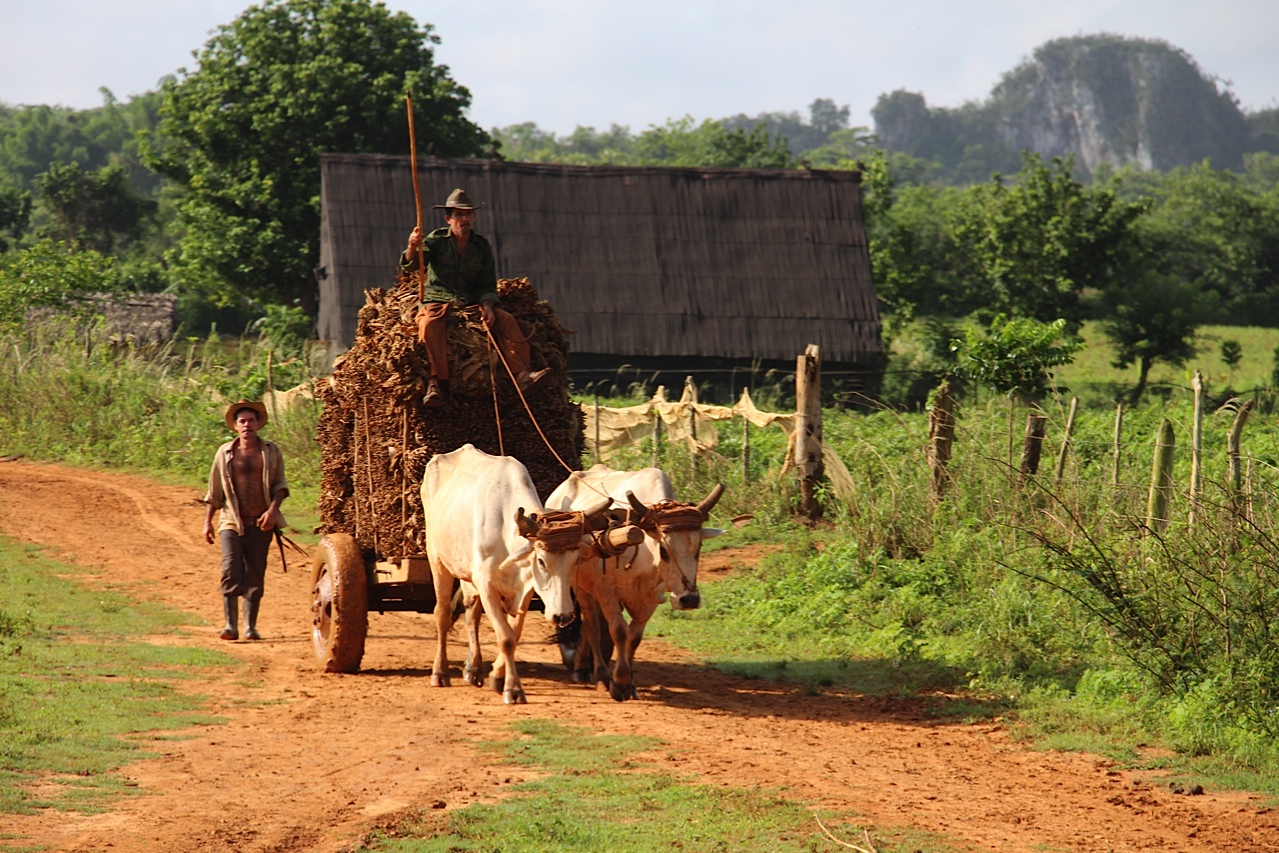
(376, 436)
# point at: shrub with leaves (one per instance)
(1016, 356)
(46, 274)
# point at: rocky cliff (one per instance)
(1107, 99)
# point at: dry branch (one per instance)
(374, 495)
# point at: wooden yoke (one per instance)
(417, 198)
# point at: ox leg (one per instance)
(592, 665)
(626, 650)
(505, 677)
(473, 671)
(619, 686)
(443, 624)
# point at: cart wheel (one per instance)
(339, 603)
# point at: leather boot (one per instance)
(231, 607)
(251, 619)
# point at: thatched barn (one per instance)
(662, 272)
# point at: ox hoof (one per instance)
(499, 684)
(622, 692)
(568, 654)
(474, 677)
(440, 680)
(514, 697)
(581, 676)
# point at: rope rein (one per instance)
(527, 408)
(497, 412)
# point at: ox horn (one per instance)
(599, 509)
(637, 505)
(707, 505)
(526, 525)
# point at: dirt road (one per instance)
(311, 762)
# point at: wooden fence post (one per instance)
(1196, 448)
(808, 429)
(270, 383)
(1161, 478)
(1064, 450)
(1116, 454)
(596, 454)
(746, 447)
(657, 437)
(1032, 444)
(1232, 454)
(941, 436)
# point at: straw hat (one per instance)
(244, 404)
(457, 200)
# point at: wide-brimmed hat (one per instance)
(457, 200)
(244, 404)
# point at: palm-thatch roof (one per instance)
(650, 265)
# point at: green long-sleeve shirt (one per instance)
(470, 277)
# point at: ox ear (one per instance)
(527, 525)
(708, 504)
(711, 533)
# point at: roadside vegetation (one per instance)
(1053, 602)
(80, 695)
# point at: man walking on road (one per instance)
(247, 485)
(461, 270)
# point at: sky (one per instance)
(565, 63)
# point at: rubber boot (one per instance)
(251, 619)
(231, 606)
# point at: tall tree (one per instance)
(284, 82)
(1220, 233)
(97, 209)
(1154, 319)
(1036, 245)
(15, 210)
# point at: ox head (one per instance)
(560, 539)
(675, 531)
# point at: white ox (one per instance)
(477, 531)
(639, 578)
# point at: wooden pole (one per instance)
(1196, 448)
(941, 436)
(1064, 450)
(808, 429)
(1161, 478)
(404, 483)
(368, 470)
(417, 198)
(270, 383)
(657, 436)
(1233, 439)
(746, 447)
(1116, 453)
(1032, 445)
(596, 454)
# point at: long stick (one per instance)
(417, 199)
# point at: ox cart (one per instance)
(376, 437)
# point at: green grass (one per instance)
(1094, 378)
(597, 792)
(80, 694)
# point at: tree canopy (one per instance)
(1036, 245)
(243, 131)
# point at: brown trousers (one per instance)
(432, 331)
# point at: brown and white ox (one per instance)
(486, 527)
(636, 579)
